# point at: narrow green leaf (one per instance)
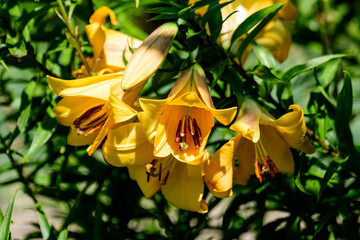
(217, 73)
(329, 72)
(164, 10)
(254, 19)
(232, 77)
(274, 10)
(2, 62)
(5, 225)
(298, 182)
(294, 71)
(43, 133)
(43, 222)
(344, 103)
(1, 217)
(334, 165)
(63, 235)
(211, 11)
(263, 55)
(200, 4)
(25, 107)
(265, 74)
(16, 46)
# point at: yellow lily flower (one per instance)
(85, 107)
(181, 184)
(109, 46)
(149, 56)
(180, 124)
(275, 35)
(262, 145)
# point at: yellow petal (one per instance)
(277, 39)
(202, 86)
(225, 116)
(100, 137)
(120, 110)
(293, 129)
(248, 119)
(149, 125)
(138, 174)
(183, 191)
(149, 56)
(219, 177)
(189, 99)
(81, 140)
(153, 107)
(116, 47)
(100, 16)
(288, 11)
(70, 108)
(96, 36)
(127, 145)
(245, 153)
(277, 149)
(97, 87)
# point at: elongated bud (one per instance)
(149, 56)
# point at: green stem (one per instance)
(74, 36)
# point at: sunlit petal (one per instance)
(149, 188)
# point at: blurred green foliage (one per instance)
(98, 201)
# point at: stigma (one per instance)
(263, 163)
(91, 120)
(188, 125)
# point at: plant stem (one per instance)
(74, 36)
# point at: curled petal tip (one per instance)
(149, 56)
(100, 15)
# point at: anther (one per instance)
(177, 136)
(87, 115)
(272, 167)
(183, 127)
(191, 126)
(197, 130)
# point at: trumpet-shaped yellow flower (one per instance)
(181, 184)
(109, 46)
(275, 35)
(149, 56)
(261, 146)
(85, 107)
(181, 124)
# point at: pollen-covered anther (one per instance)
(92, 120)
(150, 168)
(260, 174)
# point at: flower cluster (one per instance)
(163, 141)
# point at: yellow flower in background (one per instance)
(262, 145)
(275, 35)
(110, 47)
(85, 107)
(180, 125)
(149, 56)
(181, 184)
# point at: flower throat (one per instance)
(188, 124)
(92, 120)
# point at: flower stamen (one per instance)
(92, 120)
(266, 165)
(188, 123)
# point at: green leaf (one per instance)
(43, 133)
(265, 73)
(5, 225)
(16, 46)
(263, 55)
(254, 19)
(25, 107)
(271, 14)
(344, 103)
(164, 10)
(334, 165)
(211, 11)
(63, 235)
(45, 227)
(298, 182)
(313, 63)
(2, 62)
(329, 72)
(232, 77)
(217, 73)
